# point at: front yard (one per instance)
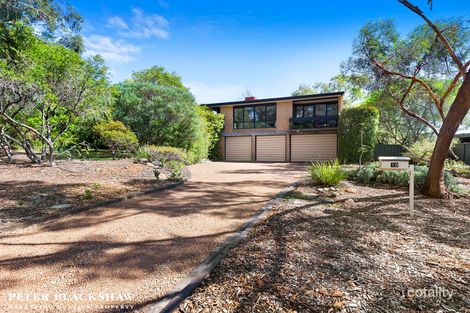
(29, 193)
(355, 251)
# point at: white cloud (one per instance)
(110, 50)
(217, 93)
(117, 22)
(141, 25)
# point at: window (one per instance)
(254, 116)
(315, 115)
(311, 110)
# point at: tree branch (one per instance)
(401, 102)
(438, 32)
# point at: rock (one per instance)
(349, 204)
(61, 206)
(150, 164)
(143, 160)
(351, 190)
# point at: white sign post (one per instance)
(411, 172)
(400, 164)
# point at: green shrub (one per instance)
(371, 175)
(367, 174)
(116, 136)
(162, 154)
(175, 168)
(213, 126)
(326, 173)
(161, 115)
(457, 168)
(351, 122)
(420, 152)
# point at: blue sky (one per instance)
(222, 48)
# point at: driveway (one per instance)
(137, 250)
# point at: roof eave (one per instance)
(317, 95)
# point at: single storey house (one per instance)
(287, 129)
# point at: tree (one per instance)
(160, 115)
(41, 96)
(395, 126)
(159, 76)
(433, 52)
(116, 136)
(58, 21)
(341, 82)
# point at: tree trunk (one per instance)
(50, 155)
(434, 185)
(30, 153)
(7, 149)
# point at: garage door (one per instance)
(318, 147)
(270, 148)
(238, 148)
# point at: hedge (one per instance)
(352, 121)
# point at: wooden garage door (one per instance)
(317, 147)
(271, 148)
(238, 148)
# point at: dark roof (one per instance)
(340, 93)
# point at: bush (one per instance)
(162, 154)
(371, 175)
(161, 115)
(420, 152)
(326, 173)
(213, 126)
(457, 168)
(352, 121)
(116, 136)
(175, 168)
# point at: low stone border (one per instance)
(127, 196)
(184, 288)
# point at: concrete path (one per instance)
(137, 250)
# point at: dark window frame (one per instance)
(255, 120)
(313, 118)
(303, 105)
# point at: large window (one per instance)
(254, 116)
(315, 115)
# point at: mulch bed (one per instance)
(28, 193)
(328, 253)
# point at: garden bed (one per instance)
(349, 250)
(31, 193)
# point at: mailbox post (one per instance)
(401, 164)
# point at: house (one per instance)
(287, 129)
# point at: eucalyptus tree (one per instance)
(434, 58)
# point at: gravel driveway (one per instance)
(134, 252)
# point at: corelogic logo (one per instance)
(434, 292)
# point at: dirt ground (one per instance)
(29, 192)
(134, 252)
(357, 252)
